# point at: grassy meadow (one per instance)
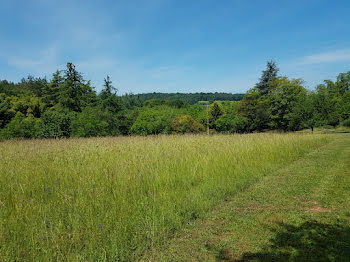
(301, 212)
(112, 199)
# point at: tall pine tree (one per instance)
(108, 97)
(52, 89)
(75, 92)
(267, 75)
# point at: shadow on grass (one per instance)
(311, 241)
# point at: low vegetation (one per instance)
(110, 199)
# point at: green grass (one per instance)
(329, 130)
(110, 199)
(301, 212)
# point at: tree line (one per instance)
(68, 106)
(191, 98)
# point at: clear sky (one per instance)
(175, 45)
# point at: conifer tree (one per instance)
(75, 92)
(52, 89)
(215, 111)
(267, 76)
(108, 97)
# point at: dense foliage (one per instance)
(191, 98)
(284, 103)
(68, 106)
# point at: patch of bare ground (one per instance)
(317, 208)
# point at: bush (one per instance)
(55, 125)
(153, 121)
(186, 124)
(232, 124)
(346, 122)
(328, 127)
(22, 127)
(89, 123)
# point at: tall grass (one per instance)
(106, 199)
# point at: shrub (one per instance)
(232, 124)
(153, 121)
(55, 125)
(346, 122)
(186, 124)
(22, 127)
(89, 123)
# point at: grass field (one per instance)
(301, 212)
(110, 199)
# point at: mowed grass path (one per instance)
(300, 212)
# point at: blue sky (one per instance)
(175, 45)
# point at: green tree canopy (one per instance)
(284, 96)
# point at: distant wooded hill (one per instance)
(191, 98)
